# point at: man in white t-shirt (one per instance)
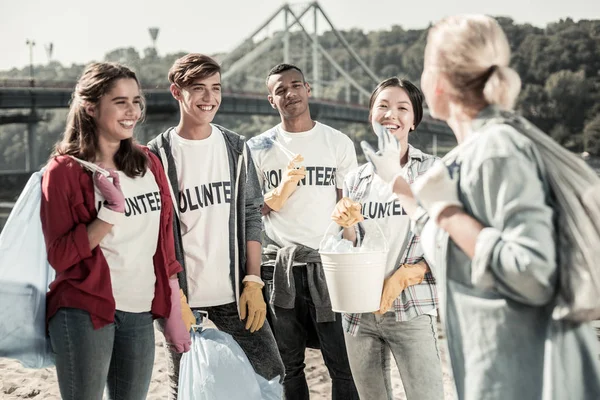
(301, 165)
(217, 221)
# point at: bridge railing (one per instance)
(28, 83)
(23, 83)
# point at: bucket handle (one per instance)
(386, 246)
(203, 316)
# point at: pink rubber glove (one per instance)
(111, 191)
(177, 336)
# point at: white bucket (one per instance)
(355, 280)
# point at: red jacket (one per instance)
(82, 275)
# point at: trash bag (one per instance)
(25, 276)
(217, 368)
(576, 189)
(24, 279)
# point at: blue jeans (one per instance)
(414, 347)
(293, 329)
(119, 356)
(259, 347)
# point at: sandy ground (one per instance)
(17, 382)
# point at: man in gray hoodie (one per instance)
(217, 221)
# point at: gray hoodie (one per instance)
(245, 217)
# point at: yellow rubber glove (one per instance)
(347, 213)
(186, 312)
(253, 302)
(407, 275)
(277, 197)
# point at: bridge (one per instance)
(25, 101)
(160, 101)
(26, 94)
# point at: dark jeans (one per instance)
(119, 356)
(293, 329)
(260, 346)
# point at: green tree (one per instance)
(569, 98)
(123, 55)
(559, 67)
(561, 134)
(533, 104)
(591, 135)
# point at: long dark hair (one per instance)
(80, 138)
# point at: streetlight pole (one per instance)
(31, 157)
(49, 49)
(30, 43)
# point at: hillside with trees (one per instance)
(559, 66)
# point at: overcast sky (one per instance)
(82, 31)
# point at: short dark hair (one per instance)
(279, 68)
(192, 66)
(414, 94)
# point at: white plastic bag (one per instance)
(25, 275)
(24, 278)
(217, 368)
(576, 188)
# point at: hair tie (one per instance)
(480, 80)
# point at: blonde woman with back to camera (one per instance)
(486, 220)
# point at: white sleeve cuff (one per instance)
(481, 272)
(253, 278)
(110, 216)
(419, 220)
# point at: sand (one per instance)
(17, 382)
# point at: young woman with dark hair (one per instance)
(110, 239)
(405, 324)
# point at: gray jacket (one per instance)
(498, 306)
(283, 290)
(245, 222)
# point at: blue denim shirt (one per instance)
(497, 307)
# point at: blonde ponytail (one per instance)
(474, 54)
(502, 87)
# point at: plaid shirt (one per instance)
(414, 300)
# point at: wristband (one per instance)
(110, 216)
(253, 278)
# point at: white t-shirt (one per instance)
(328, 156)
(131, 244)
(205, 197)
(383, 206)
